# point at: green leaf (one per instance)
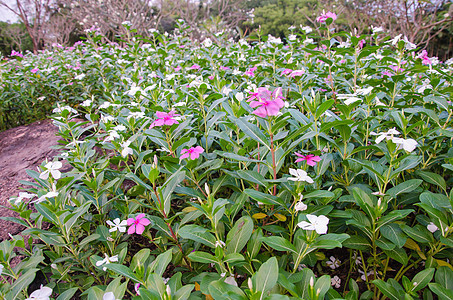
(236, 157)
(184, 292)
(168, 188)
(198, 234)
(239, 235)
(398, 254)
(159, 265)
(393, 216)
(422, 279)
(252, 176)
(264, 198)
(357, 242)
(67, 295)
(418, 233)
(404, 187)
(252, 131)
(394, 233)
(202, 257)
(278, 243)
(442, 292)
(21, 284)
(71, 219)
(388, 290)
(433, 178)
(266, 277)
(444, 276)
(122, 270)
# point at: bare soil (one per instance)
(22, 148)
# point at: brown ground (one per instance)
(22, 148)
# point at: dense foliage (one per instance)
(316, 170)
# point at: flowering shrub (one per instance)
(213, 172)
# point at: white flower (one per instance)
(23, 195)
(126, 23)
(136, 115)
(316, 223)
(61, 109)
(126, 149)
(407, 144)
(299, 175)
(349, 98)
(1, 269)
(240, 96)
(117, 225)
(364, 91)
(432, 228)
(105, 104)
(45, 196)
(86, 103)
(43, 293)
(378, 102)
(51, 168)
(335, 281)
(300, 206)
(133, 90)
(333, 263)
(382, 135)
(307, 29)
(80, 77)
(220, 244)
(119, 127)
(396, 39)
(309, 41)
(106, 261)
(109, 296)
(363, 277)
(226, 91)
(274, 40)
(409, 45)
(207, 43)
(376, 29)
(292, 37)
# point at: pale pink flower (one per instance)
(177, 68)
(310, 159)
(195, 67)
(138, 224)
(164, 118)
(35, 70)
(193, 152)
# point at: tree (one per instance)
(33, 14)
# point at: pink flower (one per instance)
(195, 67)
(177, 68)
(224, 68)
(286, 71)
(138, 224)
(35, 70)
(323, 18)
(387, 73)
(137, 287)
(425, 59)
(211, 77)
(396, 69)
(15, 53)
(250, 72)
(361, 43)
(165, 119)
(296, 73)
(268, 103)
(310, 158)
(193, 152)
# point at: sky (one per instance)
(6, 15)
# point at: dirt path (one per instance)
(22, 148)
